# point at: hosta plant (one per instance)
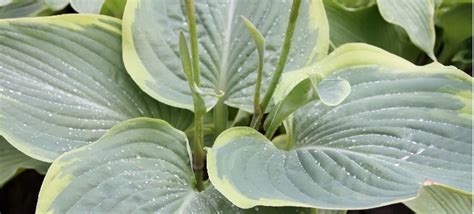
(237, 106)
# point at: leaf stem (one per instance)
(194, 41)
(282, 60)
(193, 77)
(220, 117)
(260, 45)
(198, 154)
(199, 111)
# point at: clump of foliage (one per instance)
(238, 106)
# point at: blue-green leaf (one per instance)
(416, 17)
(435, 198)
(400, 126)
(63, 84)
(227, 52)
(140, 166)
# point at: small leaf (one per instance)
(260, 43)
(333, 91)
(440, 199)
(63, 84)
(401, 125)
(257, 37)
(198, 101)
(330, 91)
(12, 161)
(416, 17)
(140, 166)
(301, 94)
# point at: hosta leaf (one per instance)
(63, 84)
(400, 125)
(22, 8)
(57, 4)
(349, 26)
(140, 166)
(442, 200)
(12, 160)
(227, 52)
(333, 91)
(5, 2)
(416, 17)
(353, 5)
(81, 6)
(87, 6)
(320, 211)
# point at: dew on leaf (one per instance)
(420, 150)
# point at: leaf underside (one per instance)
(12, 161)
(440, 199)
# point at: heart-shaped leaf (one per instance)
(12, 160)
(142, 165)
(400, 125)
(227, 52)
(435, 198)
(416, 17)
(63, 84)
